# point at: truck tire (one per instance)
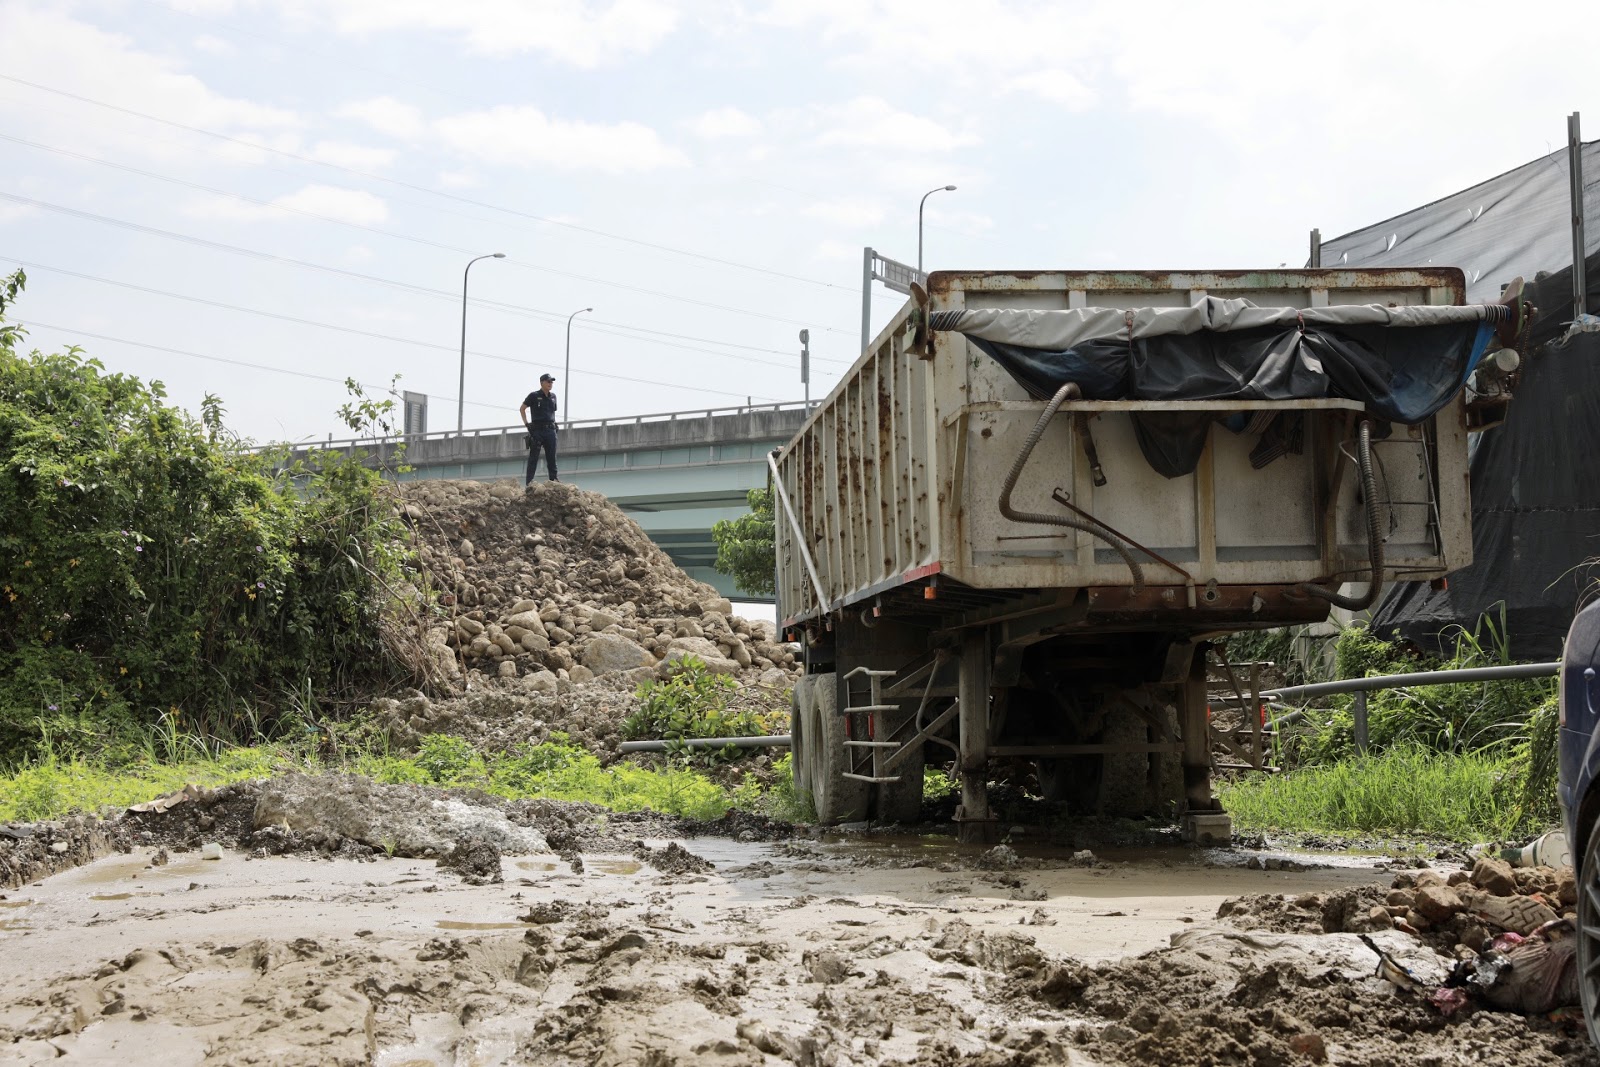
(835, 797)
(1588, 873)
(800, 710)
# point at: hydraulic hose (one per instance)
(1092, 529)
(1369, 489)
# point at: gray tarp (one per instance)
(1056, 330)
(1401, 363)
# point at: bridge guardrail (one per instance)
(501, 431)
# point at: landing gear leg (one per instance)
(1204, 822)
(974, 823)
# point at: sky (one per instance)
(259, 200)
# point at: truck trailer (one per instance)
(1013, 530)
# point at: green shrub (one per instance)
(449, 760)
(150, 566)
(694, 703)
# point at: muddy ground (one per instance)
(630, 943)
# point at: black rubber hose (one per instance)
(1069, 390)
(1369, 487)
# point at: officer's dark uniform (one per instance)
(541, 431)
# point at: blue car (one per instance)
(1580, 794)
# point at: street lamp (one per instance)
(461, 387)
(924, 200)
(567, 372)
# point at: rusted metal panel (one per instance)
(900, 468)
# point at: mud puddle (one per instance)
(838, 952)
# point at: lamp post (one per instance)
(566, 373)
(924, 200)
(461, 387)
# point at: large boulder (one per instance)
(609, 653)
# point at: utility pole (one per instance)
(805, 364)
(1579, 243)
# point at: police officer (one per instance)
(541, 427)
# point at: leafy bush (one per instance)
(150, 565)
(694, 703)
(1444, 718)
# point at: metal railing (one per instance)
(1362, 686)
(501, 431)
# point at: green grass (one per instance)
(1408, 789)
(50, 787)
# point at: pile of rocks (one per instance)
(554, 583)
(1464, 909)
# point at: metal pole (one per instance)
(767, 741)
(1358, 711)
(1400, 681)
(866, 298)
(1316, 249)
(920, 203)
(461, 385)
(805, 364)
(566, 370)
(1579, 243)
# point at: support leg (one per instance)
(975, 824)
(1204, 821)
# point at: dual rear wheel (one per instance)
(820, 760)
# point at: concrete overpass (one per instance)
(675, 474)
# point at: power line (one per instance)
(598, 326)
(271, 205)
(369, 176)
(353, 330)
(36, 324)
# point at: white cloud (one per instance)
(42, 44)
(324, 201)
(358, 254)
(354, 156)
(386, 115)
(579, 33)
(347, 205)
(1055, 86)
(524, 136)
(837, 252)
(16, 212)
(458, 179)
(872, 122)
(215, 46)
(853, 212)
(724, 122)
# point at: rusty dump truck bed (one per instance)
(893, 483)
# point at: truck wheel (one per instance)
(800, 710)
(1589, 932)
(836, 798)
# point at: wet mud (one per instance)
(832, 951)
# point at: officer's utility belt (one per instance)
(539, 428)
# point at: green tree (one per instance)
(745, 545)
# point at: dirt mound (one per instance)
(553, 582)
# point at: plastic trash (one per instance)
(211, 851)
(1548, 851)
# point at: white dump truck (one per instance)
(1010, 533)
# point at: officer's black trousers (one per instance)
(541, 437)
